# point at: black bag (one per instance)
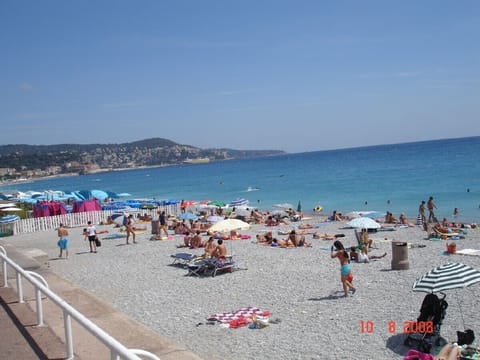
(97, 241)
(465, 337)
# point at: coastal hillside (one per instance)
(43, 160)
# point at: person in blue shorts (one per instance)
(63, 241)
(338, 251)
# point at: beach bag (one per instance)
(465, 337)
(98, 243)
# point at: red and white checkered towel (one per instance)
(246, 313)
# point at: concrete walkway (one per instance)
(21, 339)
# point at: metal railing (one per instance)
(117, 350)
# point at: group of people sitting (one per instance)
(293, 240)
(213, 250)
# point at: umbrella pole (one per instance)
(460, 307)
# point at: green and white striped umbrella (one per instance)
(446, 277)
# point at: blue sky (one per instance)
(290, 75)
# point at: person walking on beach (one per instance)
(62, 243)
(431, 205)
(92, 237)
(163, 222)
(345, 270)
(129, 228)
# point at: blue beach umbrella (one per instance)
(188, 216)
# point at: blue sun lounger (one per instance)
(182, 258)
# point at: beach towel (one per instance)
(238, 318)
(471, 252)
(418, 355)
(114, 236)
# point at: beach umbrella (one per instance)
(238, 202)
(216, 203)
(243, 210)
(11, 209)
(446, 277)
(374, 214)
(363, 223)
(354, 214)
(120, 219)
(215, 218)
(9, 218)
(229, 225)
(299, 206)
(284, 206)
(6, 205)
(99, 194)
(188, 216)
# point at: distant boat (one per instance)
(196, 160)
(250, 188)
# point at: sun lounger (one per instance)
(227, 266)
(182, 258)
(210, 266)
(444, 235)
(199, 267)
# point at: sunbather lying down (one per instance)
(326, 236)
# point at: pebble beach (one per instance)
(300, 287)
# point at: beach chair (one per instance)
(182, 258)
(200, 267)
(443, 235)
(211, 266)
(223, 265)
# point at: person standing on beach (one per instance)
(63, 240)
(92, 236)
(163, 222)
(421, 212)
(431, 205)
(345, 270)
(129, 228)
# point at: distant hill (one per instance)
(147, 152)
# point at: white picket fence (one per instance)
(45, 223)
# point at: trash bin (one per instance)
(155, 227)
(399, 255)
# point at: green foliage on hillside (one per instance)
(147, 152)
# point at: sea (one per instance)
(393, 178)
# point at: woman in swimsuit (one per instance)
(129, 228)
(345, 270)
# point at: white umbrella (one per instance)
(215, 218)
(229, 225)
(243, 210)
(6, 205)
(363, 223)
(283, 206)
(11, 209)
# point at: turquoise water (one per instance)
(387, 177)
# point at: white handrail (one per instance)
(117, 350)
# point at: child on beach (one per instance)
(345, 271)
